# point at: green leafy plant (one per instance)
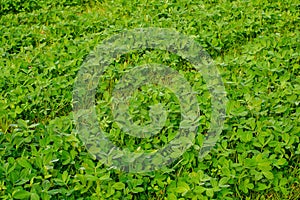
(254, 44)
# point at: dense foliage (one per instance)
(256, 47)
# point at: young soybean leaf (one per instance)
(21, 194)
(119, 186)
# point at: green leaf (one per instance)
(137, 190)
(24, 163)
(34, 196)
(21, 194)
(210, 192)
(22, 123)
(172, 196)
(119, 186)
(65, 176)
(182, 187)
(224, 182)
(268, 174)
(262, 186)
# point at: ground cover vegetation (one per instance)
(256, 47)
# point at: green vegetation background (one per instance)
(256, 46)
